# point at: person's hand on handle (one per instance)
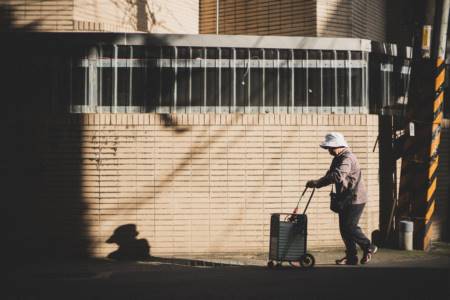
(311, 183)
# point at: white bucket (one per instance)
(405, 238)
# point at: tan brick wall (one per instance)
(259, 17)
(352, 18)
(334, 18)
(376, 15)
(210, 182)
(322, 18)
(156, 16)
(44, 15)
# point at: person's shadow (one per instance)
(130, 248)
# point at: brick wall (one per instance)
(259, 17)
(156, 16)
(191, 183)
(376, 11)
(321, 18)
(45, 15)
(334, 18)
(357, 18)
(201, 183)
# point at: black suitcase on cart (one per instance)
(288, 237)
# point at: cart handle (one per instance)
(309, 200)
(307, 204)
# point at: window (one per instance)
(120, 78)
(329, 79)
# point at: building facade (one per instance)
(194, 139)
(195, 151)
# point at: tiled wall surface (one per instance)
(321, 18)
(358, 18)
(203, 183)
(45, 15)
(191, 183)
(156, 16)
(259, 17)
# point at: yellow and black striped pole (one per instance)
(420, 156)
(436, 127)
(414, 176)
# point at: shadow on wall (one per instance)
(8, 20)
(130, 248)
(43, 164)
(40, 157)
(145, 14)
(142, 16)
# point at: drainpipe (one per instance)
(217, 15)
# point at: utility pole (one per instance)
(420, 153)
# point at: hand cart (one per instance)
(288, 237)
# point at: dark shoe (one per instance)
(347, 261)
(368, 254)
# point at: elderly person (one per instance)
(345, 174)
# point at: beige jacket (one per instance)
(345, 173)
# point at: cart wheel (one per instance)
(307, 260)
(270, 264)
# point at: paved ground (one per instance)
(392, 274)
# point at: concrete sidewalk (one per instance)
(438, 257)
(392, 274)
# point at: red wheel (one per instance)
(295, 263)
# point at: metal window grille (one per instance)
(199, 79)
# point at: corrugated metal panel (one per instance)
(287, 239)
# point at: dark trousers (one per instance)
(350, 231)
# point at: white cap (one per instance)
(334, 140)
